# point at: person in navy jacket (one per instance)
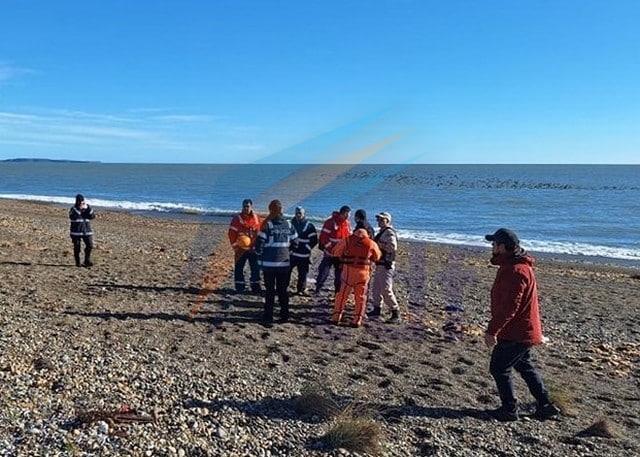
(80, 230)
(272, 248)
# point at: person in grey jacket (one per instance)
(80, 230)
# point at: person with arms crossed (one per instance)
(300, 255)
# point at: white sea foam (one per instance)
(555, 247)
(164, 207)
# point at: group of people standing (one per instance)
(278, 246)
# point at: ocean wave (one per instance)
(162, 207)
(551, 247)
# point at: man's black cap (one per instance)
(504, 236)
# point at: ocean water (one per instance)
(590, 211)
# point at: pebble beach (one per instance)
(151, 353)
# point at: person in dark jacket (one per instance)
(300, 255)
(272, 247)
(80, 230)
(515, 326)
(360, 217)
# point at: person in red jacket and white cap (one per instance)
(514, 327)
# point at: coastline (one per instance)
(218, 383)
(223, 220)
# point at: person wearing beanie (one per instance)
(355, 254)
(242, 233)
(300, 255)
(334, 229)
(80, 230)
(272, 248)
(382, 287)
(360, 217)
(515, 327)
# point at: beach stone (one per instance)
(103, 427)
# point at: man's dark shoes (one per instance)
(503, 415)
(375, 312)
(546, 412)
(88, 263)
(256, 290)
(395, 317)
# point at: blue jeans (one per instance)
(508, 355)
(323, 273)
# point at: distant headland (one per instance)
(26, 159)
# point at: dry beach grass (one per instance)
(109, 361)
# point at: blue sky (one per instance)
(321, 81)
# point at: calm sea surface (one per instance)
(584, 210)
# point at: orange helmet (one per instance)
(244, 242)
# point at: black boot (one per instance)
(375, 312)
(87, 257)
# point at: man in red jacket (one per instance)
(334, 229)
(242, 233)
(514, 326)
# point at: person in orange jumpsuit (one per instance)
(356, 253)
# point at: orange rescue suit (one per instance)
(356, 253)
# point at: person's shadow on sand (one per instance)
(284, 408)
(38, 264)
(184, 290)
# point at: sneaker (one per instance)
(375, 312)
(503, 415)
(546, 412)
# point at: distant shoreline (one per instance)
(32, 160)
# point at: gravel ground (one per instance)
(150, 353)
